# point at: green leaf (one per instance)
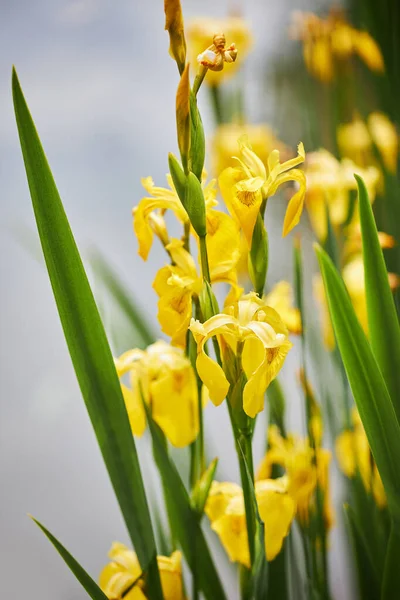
(87, 343)
(368, 578)
(123, 299)
(258, 583)
(184, 519)
(391, 575)
(383, 324)
(366, 382)
(82, 576)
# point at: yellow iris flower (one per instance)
(356, 139)
(202, 30)
(124, 571)
(281, 299)
(245, 187)
(331, 41)
(224, 143)
(176, 284)
(329, 183)
(165, 377)
(296, 456)
(226, 511)
(257, 330)
(148, 215)
(354, 454)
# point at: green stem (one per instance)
(204, 259)
(199, 79)
(217, 105)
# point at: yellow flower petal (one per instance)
(174, 314)
(213, 377)
(134, 408)
(171, 576)
(178, 416)
(243, 199)
(277, 510)
(219, 497)
(232, 531)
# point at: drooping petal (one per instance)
(253, 393)
(213, 377)
(232, 531)
(134, 408)
(277, 510)
(296, 203)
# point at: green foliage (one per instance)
(87, 343)
(82, 576)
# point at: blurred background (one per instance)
(101, 88)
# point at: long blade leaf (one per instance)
(383, 324)
(87, 343)
(366, 381)
(82, 576)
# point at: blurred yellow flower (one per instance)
(353, 277)
(254, 330)
(245, 187)
(354, 455)
(281, 299)
(165, 377)
(226, 511)
(356, 140)
(124, 573)
(225, 143)
(330, 41)
(202, 30)
(296, 456)
(329, 183)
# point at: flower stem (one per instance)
(199, 79)
(217, 104)
(204, 259)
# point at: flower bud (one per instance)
(190, 193)
(258, 256)
(202, 488)
(174, 26)
(197, 141)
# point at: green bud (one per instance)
(208, 302)
(258, 256)
(195, 205)
(190, 193)
(197, 141)
(178, 177)
(202, 488)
